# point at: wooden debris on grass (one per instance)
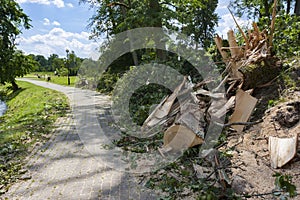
(248, 66)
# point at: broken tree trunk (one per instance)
(219, 44)
(259, 73)
(251, 63)
(235, 50)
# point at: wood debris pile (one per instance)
(186, 114)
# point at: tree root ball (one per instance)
(260, 73)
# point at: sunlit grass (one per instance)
(61, 80)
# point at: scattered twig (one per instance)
(261, 194)
(243, 123)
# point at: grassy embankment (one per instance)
(61, 80)
(29, 119)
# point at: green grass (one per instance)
(61, 80)
(32, 110)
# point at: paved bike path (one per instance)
(63, 168)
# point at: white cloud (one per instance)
(55, 23)
(70, 5)
(57, 3)
(56, 41)
(45, 2)
(46, 21)
(226, 23)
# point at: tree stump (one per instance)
(260, 73)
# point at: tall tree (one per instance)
(53, 62)
(198, 19)
(43, 62)
(73, 63)
(12, 20)
(113, 17)
(256, 9)
(297, 8)
(18, 65)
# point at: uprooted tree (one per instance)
(248, 66)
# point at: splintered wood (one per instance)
(252, 64)
(282, 150)
(160, 113)
(244, 105)
(179, 137)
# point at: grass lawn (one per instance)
(61, 80)
(31, 112)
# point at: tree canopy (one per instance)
(256, 9)
(12, 63)
(194, 18)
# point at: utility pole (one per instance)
(68, 66)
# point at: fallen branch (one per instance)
(241, 123)
(261, 194)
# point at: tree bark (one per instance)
(297, 8)
(155, 11)
(15, 87)
(267, 8)
(260, 73)
(297, 12)
(288, 6)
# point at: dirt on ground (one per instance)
(251, 170)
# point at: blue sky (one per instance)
(62, 24)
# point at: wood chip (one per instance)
(282, 150)
(179, 137)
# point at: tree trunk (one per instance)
(14, 85)
(288, 6)
(267, 8)
(155, 12)
(124, 13)
(297, 8)
(297, 12)
(260, 73)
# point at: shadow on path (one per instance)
(65, 167)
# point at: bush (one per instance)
(107, 82)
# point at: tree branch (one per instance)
(243, 123)
(118, 4)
